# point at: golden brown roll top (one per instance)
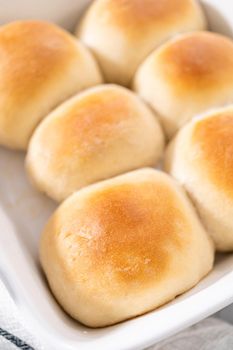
(201, 158)
(188, 75)
(40, 66)
(121, 33)
(102, 132)
(123, 247)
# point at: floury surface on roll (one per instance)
(201, 158)
(40, 66)
(123, 247)
(101, 132)
(121, 33)
(187, 76)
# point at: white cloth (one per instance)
(11, 321)
(210, 334)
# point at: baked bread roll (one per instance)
(187, 76)
(121, 33)
(40, 66)
(201, 158)
(100, 133)
(123, 247)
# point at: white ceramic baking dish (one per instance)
(24, 212)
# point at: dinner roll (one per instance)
(40, 66)
(123, 247)
(100, 133)
(121, 33)
(201, 158)
(187, 76)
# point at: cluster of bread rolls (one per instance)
(118, 248)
